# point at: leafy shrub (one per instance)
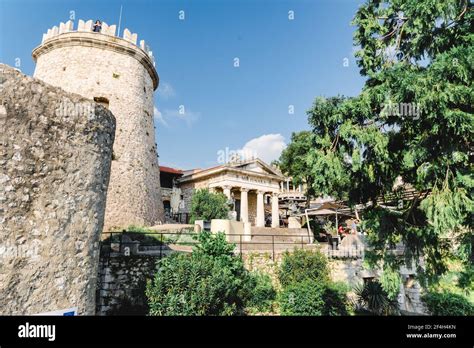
(301, 265)
(335, 298)
(263, 293)
(190, 285)
(448, 304)
(210, 281)
(214, 245)
(206, 206)
(314, 298)
(373, 298)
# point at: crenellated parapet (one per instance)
(87, 26)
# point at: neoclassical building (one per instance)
(253, 186)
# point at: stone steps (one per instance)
(280, 235)
(281, 239)
(279, 231)
(268, 247)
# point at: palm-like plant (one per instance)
(371, 297)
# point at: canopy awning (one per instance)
(329, 208)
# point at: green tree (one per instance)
(414, 120)
(206, 206)
(294, 161)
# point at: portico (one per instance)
(253, 187)
(240, 194)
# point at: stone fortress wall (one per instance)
(119, 74)
(54, 171)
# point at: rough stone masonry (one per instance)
(120, 74)
(55, 157)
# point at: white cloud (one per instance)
(181, 113)
(267, 147)
(158, 116)
(166, 91)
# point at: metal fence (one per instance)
(161, 243)
(116, 247)
(354, 252)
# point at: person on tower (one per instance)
(97, 26)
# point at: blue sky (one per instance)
(283, 64)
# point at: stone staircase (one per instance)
(296, 235)
(277, 239)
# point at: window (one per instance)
(102, 101)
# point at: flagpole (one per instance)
(120, 21)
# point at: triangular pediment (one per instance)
(257, 166)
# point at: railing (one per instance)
(161, 243)
(116, 246)
(353, 252)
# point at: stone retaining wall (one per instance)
(122, 280)
(121, 284)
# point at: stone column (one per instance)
(227, 191)
(244, 205)
(260, 210)
(275, 211)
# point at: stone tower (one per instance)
(121, 75)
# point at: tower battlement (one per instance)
(65, 34)
(83, 26)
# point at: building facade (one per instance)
(170, 191)
(252, 186)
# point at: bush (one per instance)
(206, 206)
(190, 285)
(214, 245)
(302, 265)
(313, 298)
(210, 281)
(336, 299)
(262, 294)
(448, 304)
